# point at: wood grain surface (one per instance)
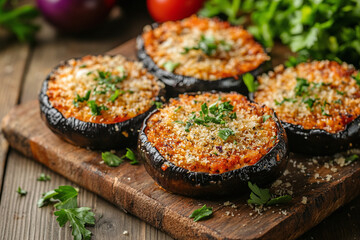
(130, 188)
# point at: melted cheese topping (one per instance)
(201, 149)
(138, 89)
(167, 42)
(335, 93)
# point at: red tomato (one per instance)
(171, 10)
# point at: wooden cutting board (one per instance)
(319, 185)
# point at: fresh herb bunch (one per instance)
(325, 29)
(18, 21)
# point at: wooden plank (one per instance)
(130, 188)
(12, 64)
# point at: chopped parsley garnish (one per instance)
(83, 66)
(215, 113)
(113, 160)
(250, 82)
(225, 133)
(259, 196)
(338, 101)
(95, 109)
(302, 86)
(114, 96)
(81, 99)
(43, 177)
(340, 92)
(170, 66)
(107, 82)
(158, 105)
(65, 198)
(201, 213)
(357, 78)
(178, 121)
(208, 45)
(177, 109)
(310, 102)
(352, 158)
(323, 109)
(187, 126)
(21, 191)
(266, 117)
(285, 100)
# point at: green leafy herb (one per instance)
(301, 87)
(233, 115)
(114, 96)
(19, 21)
(21, 191)
(201, 213)
(250, 83)
(177, 109)
(338, 101)
(77, 217)
(95, 109)
(158, 105)
(259, 196)
(208, 45)
(131, 156)
(266, 117)
(64, 197)
(352, 158)
(81, 99)
(229, 8)
(187, 126)
(293, 61)
(285, 100)
(357, 78)
(310, 102)
(323, 109)
(225, 133)
(340, 92)
(324, 29)
(107, 82)
(43, 177)
(111, 159)
(170, 66)
(178, 121)
(83, 66)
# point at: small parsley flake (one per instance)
(201, 213)
(21, 191)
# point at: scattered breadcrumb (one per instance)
(304, 200)
(286, 172)
(334, 169)
(328, 177)
(125, 232)
(276, 183)
(227, 203)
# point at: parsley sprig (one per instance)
(259, 196)
(65, 198)
(201, 213)
(43, 177)
(19, 20)
(96, 109)
(113, 160)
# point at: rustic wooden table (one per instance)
(22, 69)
